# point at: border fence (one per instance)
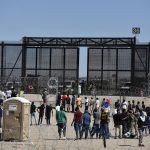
(111, 63)
(35, 85)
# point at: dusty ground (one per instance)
(45, 137)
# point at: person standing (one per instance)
(41, 113)
(32, 112)
(92, 105)
(141, 122)
(96, 116)
(86, 103)
(86, 123)
(73, 102)
(44, 95)
(48, 112)
(58, 99)
(77, 121)
(2, 97)
(78, 101)
(63, 100)
(14, 93)
(104, 120)
(68, 102)
(117, 118)
(8, 93)
(97, 103)
(61, 119)
(1, 115)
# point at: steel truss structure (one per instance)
(59, 56)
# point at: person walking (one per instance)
(141, 123)
(77, 121)
(48, 113)
(61, 119)
(96, 123)
(32, 112)
(86, 123)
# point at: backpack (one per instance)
(104, 117)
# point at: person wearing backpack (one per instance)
(104, 120)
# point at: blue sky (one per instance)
(74, 18)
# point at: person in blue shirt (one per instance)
(86, 120)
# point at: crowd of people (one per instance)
(130, 119)
(92, 115)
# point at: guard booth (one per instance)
(16, 119)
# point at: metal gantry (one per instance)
(68, 47)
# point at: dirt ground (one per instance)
(44, 137)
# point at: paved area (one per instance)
(45, 137)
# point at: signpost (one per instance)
(136, 30)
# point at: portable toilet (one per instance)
(16, 119)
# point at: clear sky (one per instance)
(74, 18)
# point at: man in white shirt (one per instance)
(97, 104)
(8, 93)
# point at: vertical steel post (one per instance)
(24, 53)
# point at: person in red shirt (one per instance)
(63, 100)
(68, 103)
(77, 120)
